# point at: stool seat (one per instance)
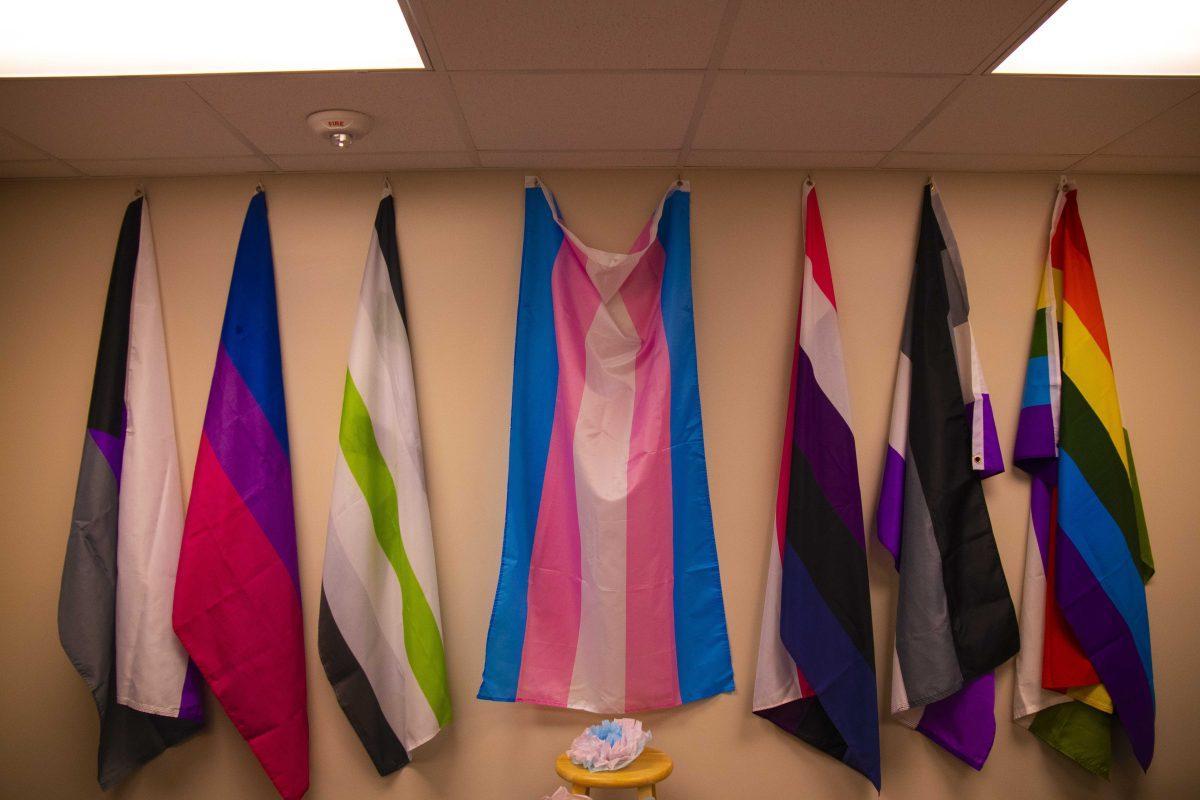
(649, 768)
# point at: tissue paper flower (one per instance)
(563, 794)
(610, 745)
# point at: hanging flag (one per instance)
(237, 598)
(609, 597)
(380, 625)
(1085, 636)
(816, 656)
(955, 621)
(114, 610)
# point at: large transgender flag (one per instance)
(1085, 658)
(609, 596)
(955, 621)
(816, 655)
(114, 611)
(237, 595)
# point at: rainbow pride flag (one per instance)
(1085, 634)
(237, 593)
(609, 596)
(955, 621)
(816, 655)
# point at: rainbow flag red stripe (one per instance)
(1085, 637)
(237, 592)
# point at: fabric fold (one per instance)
(816, 656)
(1085, 658)
(114, 612)
(955, 621)
(237, 597)
(379, 629)
(609, 594)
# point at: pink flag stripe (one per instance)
(652, 677)
(551, 634)
(242, 625)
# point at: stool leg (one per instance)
(583, 790)
(645, 792)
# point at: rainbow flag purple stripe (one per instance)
(237, 594)
(609, 595)
(816, 656)
(955, 621)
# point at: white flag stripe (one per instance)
(151, 663)
(775, 680)
(367, 608)
(381, 367)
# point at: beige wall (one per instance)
(460, 240)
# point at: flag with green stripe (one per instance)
(380, 625)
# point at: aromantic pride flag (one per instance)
(114, 610)
(955, 621)
(380, 624)
(1085, 635)
(237, 597)
(816, 657)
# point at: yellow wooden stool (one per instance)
(646, 770)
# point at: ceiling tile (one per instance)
(815, 112)
(41, 168)
(785, 159)
(1117, 163)
(114, 118)
(13, 149)
(575, 34)
(949, 36)
(579, 110)
(565, 159)
(138, 167)
(988, 162)
(1174, 133)
(411, 110)
(332, 161)
(1010, 114)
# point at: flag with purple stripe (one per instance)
(237, 600)
(816, 657)
(955, 621)
(114, 612)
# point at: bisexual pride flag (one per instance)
(1085, 659)
(237, 597)
(816, 656)
(114, 609)
(609, 596)
(955, 621)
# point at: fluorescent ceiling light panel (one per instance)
(1113, 37)
(55, 38)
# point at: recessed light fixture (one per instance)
(1113, 37)
(58, 38)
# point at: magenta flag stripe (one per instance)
(554, 600)
(652, 678)
(247, 448)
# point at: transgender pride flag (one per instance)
(609, 597)
(816, 657)
(237, 594)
